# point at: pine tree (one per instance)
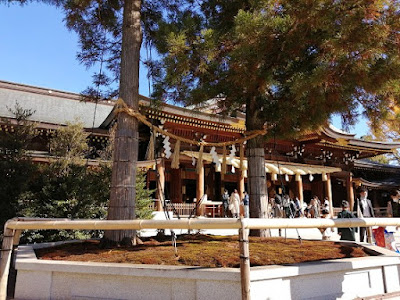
(67, 187)
(110, 33)
(288, 64)
(16, 168)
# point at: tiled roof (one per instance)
(53, 107)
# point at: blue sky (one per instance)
(37, 49)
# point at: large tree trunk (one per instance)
(122, 198)
(256, 176)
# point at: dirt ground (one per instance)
(204, 251)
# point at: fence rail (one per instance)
(13, 228)
(183, 209)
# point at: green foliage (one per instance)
(143, 197)
(383, 158)
(292, 63)
(70, 142)
(81, 192)
(68, 188)
(16, 169)
(64, 188)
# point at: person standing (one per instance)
(246, 201)
(286, 206)
(363, 208)
(346, 233)
(297, 206)
(326, 232)
(276, 206)
(225, 202)
(314, 208)
(234, 202)
(326, 204)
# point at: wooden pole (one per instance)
(225, 223)
(241, 190)
(6, 252)
(200, 190)
(328, 189)
(300, 190)
(244, 261)
(350, 191)
(241, 183)
(369, 235)
(160, 184)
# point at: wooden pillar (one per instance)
(300, 195)
(200, 189)
(244, 262)
(148, 179)
(160, 184)
(328, 191)
(10, 241)
(350, 190)
(241, 184)
(389, 209)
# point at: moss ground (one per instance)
(204, 251)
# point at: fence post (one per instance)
(6, 251)
(244, 260)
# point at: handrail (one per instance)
(252, 223)
(13, 228)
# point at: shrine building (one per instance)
(326, 163)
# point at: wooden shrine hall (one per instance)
(322, 163)
(317, 163)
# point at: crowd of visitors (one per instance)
(283, 206)
(286, 207)
(231, 204)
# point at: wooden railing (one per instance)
(14, 227)
(183, 209)
(380, 212)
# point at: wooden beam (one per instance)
(350, 190)
(160, 184)
(328, 191)
(300, 190)
(200, 190)
(10, 241)
(244, 261)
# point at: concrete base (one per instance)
(330, 279)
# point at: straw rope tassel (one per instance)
(175, 156)
(241, 166)
(200, 160)
(223, 167)
(150, 148)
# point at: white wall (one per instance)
(332, 279)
